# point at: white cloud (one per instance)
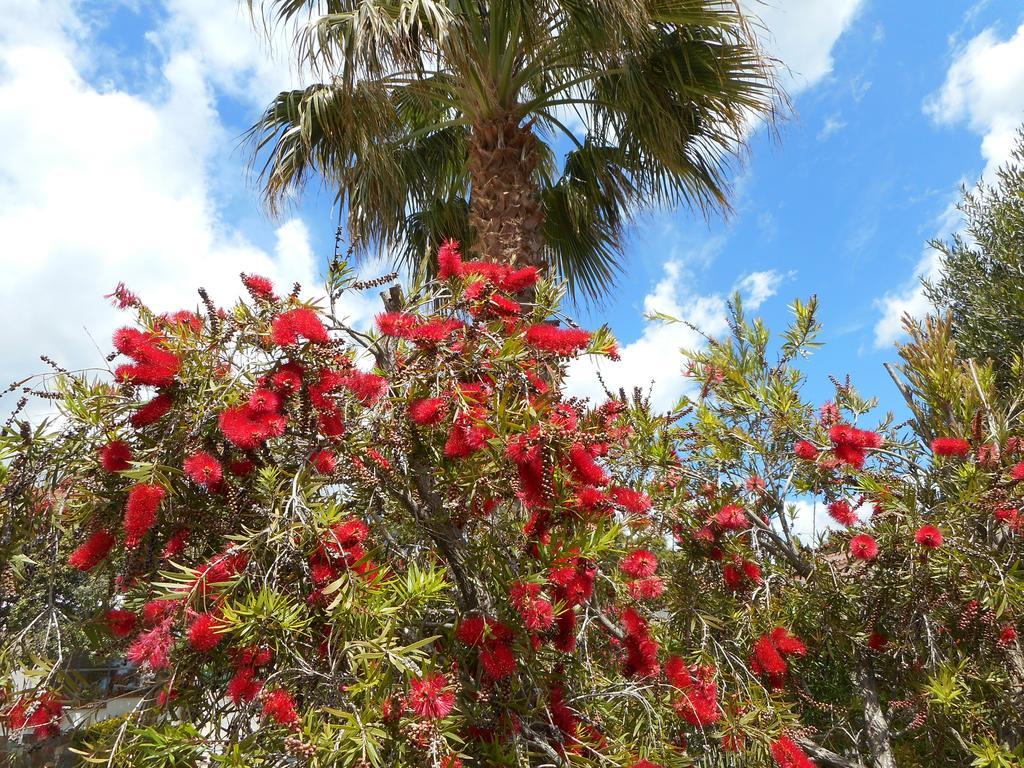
(984, 88)
(653, 362)
(909, 300)
(101, 186)
(802, 33)
(833, 124)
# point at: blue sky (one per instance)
(121, 132)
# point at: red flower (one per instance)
(301, 322)
(558, 341)
(249, 428)
(787, 754)
(877, 641)
(584, 467)
(644, 764)
(116, 456)
(863, 547)
(767, 660)
(349, 533)
(640, 564)
(646, 589)
(140, 511)
(929, 537)
(731, 517)
(805, 450)
(92, 551)
(697, 702)
(368, 388)
(1017, 472)
(465, 437)
(243, 687)
(120, 623)
(152, 411)
(1010, 517)
(325, 462)
(176, 544)
(259, 286)
(427, 412)
(498, 661)
(850, 444)
(397, 324)
(950, 446)
(630, 500)
(842, 512)
(153, 647)
(430, 697)
(263, 400)
(203, 634)
(449, 260)
(203, 469)
(280, 706)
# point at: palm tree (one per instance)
(436, 118)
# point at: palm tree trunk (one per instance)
(505, 209)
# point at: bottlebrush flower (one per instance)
(348, 533)
(768, 660)
(950, 446)
(140, 511)
(430, 697)
(263, 400)
(929, 537)
(280, 707)
(259, 286)
(805, 450)
(562, 342)
(302, 322)
(519, 280)
(498, 661)
(176, 544)
(325, 462)
(863, 547)
(787, 754)
(537, 613)
(248, 428)
(1010, 517)
(787, 643)
(1017, 471)
(449, 260)
(116, 456)
(204, 469)
(640, 564)
(466, 438)
(850, 444)
(428, 411)
(92, 551)
(585, 468)
(1007, 635)
(646, 589)
(368, 388)
(630, 500)
(153, 411)
(697, 700)
(644, 764)
(203, 634)
(121, 623)
(244, 686)
(842, 512)
(877, 641)
(732, 518)
(44, 720)
(400, 325)
(153, 647)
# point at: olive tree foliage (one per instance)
(409, 547)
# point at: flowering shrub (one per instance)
(410, 548)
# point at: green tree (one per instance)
(982, 280)
(435, 119)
